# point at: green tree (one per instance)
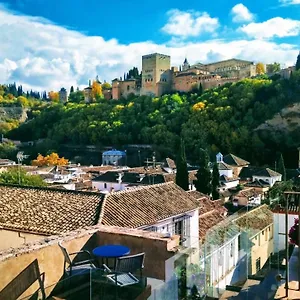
(215, 182)
(16, 176)
(298, 62)
(71, 89)
(273, 68)
(281, 167)
(182, 176)
(203, 175)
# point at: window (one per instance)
(128, 87)
(220, 258)
(105, 185)
(257, 264)
(231, 249)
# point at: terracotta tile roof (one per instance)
(197, 195)
(47, 211)
(211, 212)
(233, 160)
(146, 205)
(170, 163)
(208, 221)
(255, 220)
(153, 179)
(170, 177)
(192, 175)
(223, 166)
(98, 169)
(248, 172)
(147, 170)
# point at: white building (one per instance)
(113, 157)
(164, 208)
(262, 175)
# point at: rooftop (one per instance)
(233, 160)
(47, 211)
(147, 205)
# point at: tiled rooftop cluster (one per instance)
(146, 205)
(46, 211)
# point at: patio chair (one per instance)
(76, 267)
(125, 266)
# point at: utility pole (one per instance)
(20, 157)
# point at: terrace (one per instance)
(240, 257)
(46, 257)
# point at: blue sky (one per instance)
(48, 44)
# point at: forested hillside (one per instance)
(17, 106)
(222, 119)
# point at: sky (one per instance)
(49, 44)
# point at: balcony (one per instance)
(18, 266)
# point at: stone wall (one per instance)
(10, 238)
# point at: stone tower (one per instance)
(88, 93)
(63, 95)
(185, 65)
(153, 66)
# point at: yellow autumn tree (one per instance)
(52, 159)
(198, 106)
(53, 96)
(260, 68)
(96, 89)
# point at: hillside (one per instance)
(16, 107)
(223, 119)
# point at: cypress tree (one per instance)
(298, 62)
(200, 89)
(182, 175)
(215, 182)
(281, 167)
(71, 89)
(203, 175)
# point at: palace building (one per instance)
(158, 77)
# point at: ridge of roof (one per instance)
(47, 211)
(45, 188)
(147, 205)
(237, 160)
(144, 187)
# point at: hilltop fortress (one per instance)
(158, 77)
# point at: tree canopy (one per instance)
(203, 175)
(182, 175)
(222, 119)
(19, 176)
(298, 62)
(52, 159)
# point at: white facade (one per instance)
(104, 186)
(279, 229)
(271, 179)
(228, 173)
(186, 225)
(221, 263)
(229, 184)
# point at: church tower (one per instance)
(185, 65)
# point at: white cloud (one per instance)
(240, 13)
(189, 23)
(289, 2)
(41, 55)
(275, 27)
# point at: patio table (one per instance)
(111, 251)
